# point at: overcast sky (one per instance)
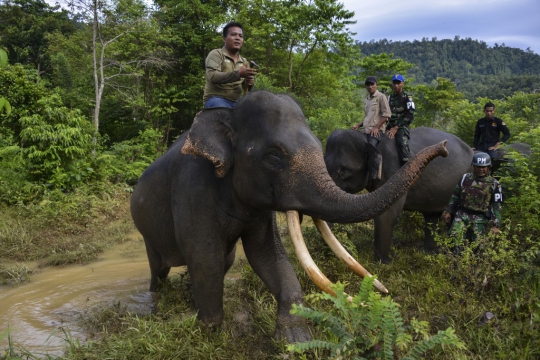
(516, 23)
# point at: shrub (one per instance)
(57, 144)
(369, 325)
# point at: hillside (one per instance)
(476, 68)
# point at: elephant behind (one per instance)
(224, 179)
(355, 165)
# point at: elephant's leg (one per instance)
(158, 269)
(430, 227)
(267, 257)
(206, 262)
(229, 260)
(384, 228)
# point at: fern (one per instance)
(367, 326)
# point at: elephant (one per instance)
(224, 179)
(521, 148)
(354, 165)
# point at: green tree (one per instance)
(432, 100)
(383, 67)
(4, 103)
(117, 28)
(24, 29)
(21, 86)
(57, 144)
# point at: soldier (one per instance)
(402, 108)
(476, 201)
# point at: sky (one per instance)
(516, 23)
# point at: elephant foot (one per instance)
(292, 329)
(292, 334)
(212, 325)
(384, 258)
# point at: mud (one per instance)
(59, 297)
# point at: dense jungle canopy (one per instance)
(475, 68)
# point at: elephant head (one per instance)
(353, 163)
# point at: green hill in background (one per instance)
(477, 69)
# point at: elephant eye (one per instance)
(272, 160)
(344, 173)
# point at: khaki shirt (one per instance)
(375, 107)
(222, 75)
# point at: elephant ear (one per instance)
(211, 137)
(374, 162)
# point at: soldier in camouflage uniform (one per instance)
(402, 108)
(476, 201)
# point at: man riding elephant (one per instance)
(402, 108)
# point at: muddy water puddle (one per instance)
(58, 297)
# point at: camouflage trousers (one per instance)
(468, 224)
(402, 141)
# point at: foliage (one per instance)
(368, 325)
(383, 67)
(519, 112)
(434, 100)
(14, 275)
(24, 29)
(477, 69)
(57, 143)
(20, 85)
(4, 103)
(488, 262)
(125, 161)
(521, 183)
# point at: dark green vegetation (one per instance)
(475, 68)
(71, 151)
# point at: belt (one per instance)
(473, 212)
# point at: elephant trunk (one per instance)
(335, 205)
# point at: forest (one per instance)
(93, 92)
(477, 69)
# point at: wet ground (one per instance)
(59, 296)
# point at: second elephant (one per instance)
(355, 165)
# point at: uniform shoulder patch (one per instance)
(497, 194)
(503, 123)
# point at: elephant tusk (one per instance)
(342, 254)
(302, 253)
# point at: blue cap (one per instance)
(398, 77)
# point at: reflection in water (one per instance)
(58, 296)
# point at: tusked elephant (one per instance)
(355, 165)
(224, 179)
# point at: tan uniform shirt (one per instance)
(375, 107)
(222, 76)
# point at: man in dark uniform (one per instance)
(487, 135)
(476, 201)
(402, 108)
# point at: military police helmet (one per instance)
(481, 159)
